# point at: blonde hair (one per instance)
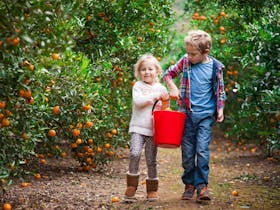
(199, 39)
(143, 58)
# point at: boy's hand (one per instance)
(220, 115)
(174, 93)
(164, 96)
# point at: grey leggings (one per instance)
(137, 143)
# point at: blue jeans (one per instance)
(195, 148)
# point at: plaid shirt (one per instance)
(183, 66)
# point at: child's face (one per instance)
(148, 72)
(195, 56)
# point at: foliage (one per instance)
(246, 39)
(66, 77)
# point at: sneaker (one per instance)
(203, 193)
(189, 192)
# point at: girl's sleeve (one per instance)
(141, 100)
(175, 70)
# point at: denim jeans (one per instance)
(195, 148)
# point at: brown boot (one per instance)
(132, 184)
(152, 188)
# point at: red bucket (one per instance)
(168, 128)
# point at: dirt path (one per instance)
(256, 179)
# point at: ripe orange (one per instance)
(6, 206)
(114, 131)
(31, 67)
(88, 124)
(51, 133)
(90, 141)
(234, 193)
(56, 110)
(37, 176)
(25, 184)
(76, 132)
(223, 40)
(107, 145)
(5, 122)
(55, 56)
(115, 199)
(139, 39)
(42, 161)
(86, 107)
(221, 28)
(109, 135)
(63, 154)
(79, 141)
(74, 145)
(2, 104)
(99, 150)
(27, 93)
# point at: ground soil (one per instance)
(242, 168)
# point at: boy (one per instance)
(201, 96)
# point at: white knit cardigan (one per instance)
(143, 98)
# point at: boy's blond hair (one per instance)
(137, 66)
(199, 39)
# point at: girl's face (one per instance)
(148, 72)
(195, 56)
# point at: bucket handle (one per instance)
(155, 105)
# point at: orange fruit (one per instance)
(114, 131)
(63, 154)
(168, 109)
(31, 67)
(86, 107)
(222, 13)
(99, 150)
(234, 193)
(37, 176)
(139, 39)
(24, 184)
(55, 56)
(115, 199)
(110, 153)
(90, 141)
(27, 93)
(51, 133)
(16, 41)
(5, 122)
(221, 28)
(79, 141)
(88, 17)
(6, 206)
(88, 160)
(76, 132)
(2, 104)
(56, 110)
(223, 40)
(107, 145)
(109, 135)
(74, 145)
(88, 124)
(42, 161)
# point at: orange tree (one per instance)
(246, 39)
(66, 73)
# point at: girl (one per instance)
(146, 91)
